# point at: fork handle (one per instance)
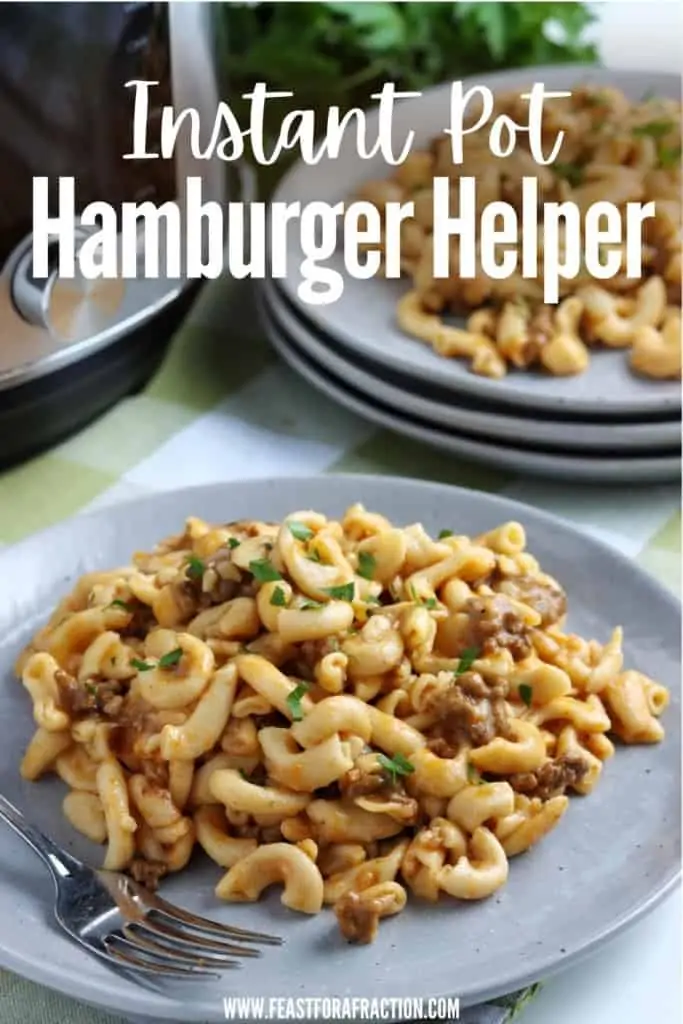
(60, 863)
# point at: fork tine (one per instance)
(157, 929)
(176, 954)
(126, 957)
(212, 927)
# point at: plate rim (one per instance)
(545, 464)
(71, 983)
(472, 384)
(278, 304)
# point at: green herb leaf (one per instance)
(445, 533)
(299, 530)
(244, 774)
(233, 543)
(141, 666)
(118, 603)
(278, 598)
(264, 571)
(669, 156)
(91, 689)
(526, 693)
(313, 556)
(424, 602)
(373, 601)
(294, 701)
(473, 776)
(366, 564)
(342, 52)
(380, 23)
(654, 129)
(171, 659)
(195, 567)
(467, 659)
(345, 592)
(572, 173)
(396, 765)
(309, 606)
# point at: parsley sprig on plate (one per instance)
(294, 700)
(395, 766)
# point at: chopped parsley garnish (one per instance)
(473, 775)
(424, 602)
(373, 600)
(445, 533)
(294, 701)
(366, 565)
(195, 567)
(141, 666)
(396, 765)
(310, 606)
(278, 598)
(669, 156)
(313, 556)
(572, 173)
(344, 592)
(526, 693)
(264, 571)
(654, 129)
(233, 543)
(171, 659)
(118, 603)
(91, 689)
(467, 660)
(299, 530)
(244, 774)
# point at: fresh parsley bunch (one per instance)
(340, 51)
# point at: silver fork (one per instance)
(130, 928)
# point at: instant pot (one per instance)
(69, 349)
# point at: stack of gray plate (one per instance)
(605, 425)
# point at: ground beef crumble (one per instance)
(358, 918)
(82, 699)
(147, 872)
(495, 625)
(469, 712)
(552, 778)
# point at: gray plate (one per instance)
(363, 319)
(558, 465)
(488, 423)
(612, 859)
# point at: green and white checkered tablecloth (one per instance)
(222, 407)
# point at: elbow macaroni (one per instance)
(508, 324)
(343, 708)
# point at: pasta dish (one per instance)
(613, 150)
(351, 709)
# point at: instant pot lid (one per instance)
(46, 325)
